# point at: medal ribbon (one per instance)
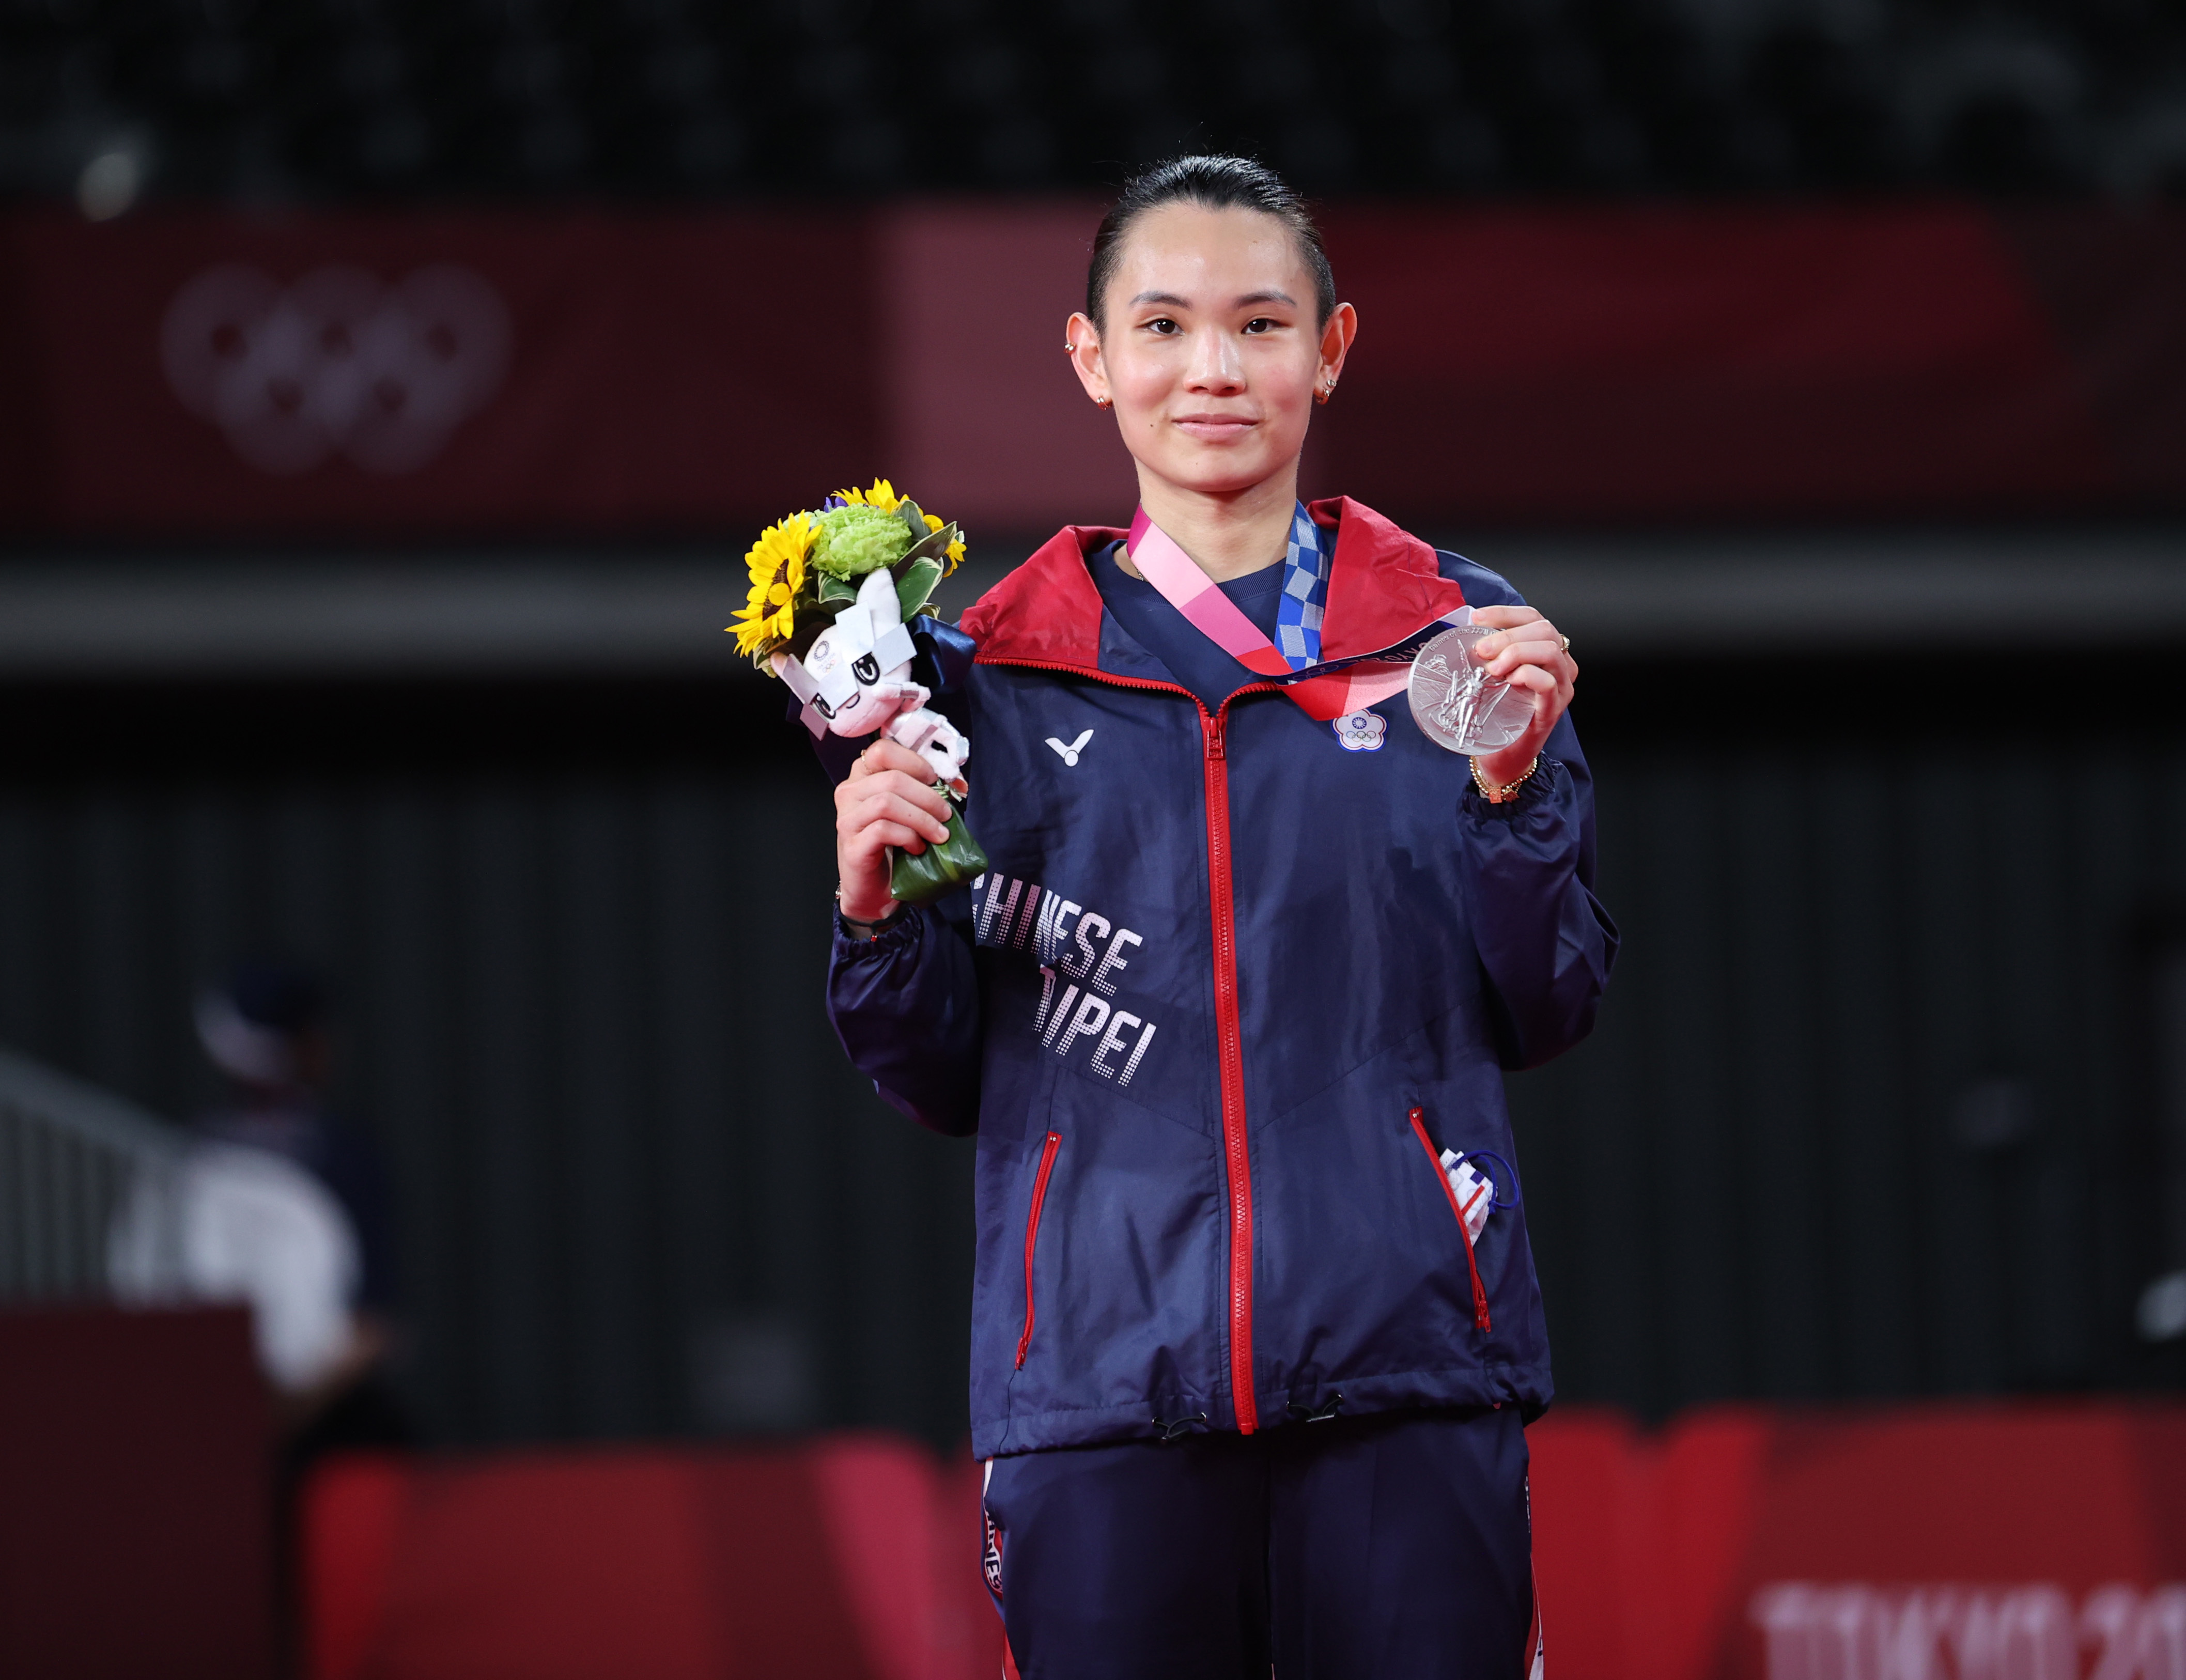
(1176, 577)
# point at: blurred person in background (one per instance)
(282, 1206)
(1255, 1325)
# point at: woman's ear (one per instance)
(1082, 338)
(1335, 341)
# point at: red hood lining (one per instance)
(1383, 586)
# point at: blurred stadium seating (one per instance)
(257, 100)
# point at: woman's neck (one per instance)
(1227, 535)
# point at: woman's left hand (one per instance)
(1529, 654)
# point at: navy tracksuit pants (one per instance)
(1395, 1547)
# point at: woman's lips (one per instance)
(1213, 428)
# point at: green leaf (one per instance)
(939, 870)
(914, 520)
(914, 585)
(930, 545)
(836, 591)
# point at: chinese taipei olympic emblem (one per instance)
(1361, 731)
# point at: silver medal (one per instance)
(1456, 701)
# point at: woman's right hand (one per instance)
(888, 799)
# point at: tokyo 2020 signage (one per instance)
(339, 363)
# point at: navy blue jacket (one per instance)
(1228, 989)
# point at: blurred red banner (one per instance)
(136, 1498)
(1948, 1542)
(1956, 1541)
(1745, 363)
(325, 375)
(844, 1557)
(421, 374)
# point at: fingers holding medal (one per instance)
(1532, 655)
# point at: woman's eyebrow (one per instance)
(1252, 297)
(1167, 299)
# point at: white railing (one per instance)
(69, 1154)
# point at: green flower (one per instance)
(854, 541)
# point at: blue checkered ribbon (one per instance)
(1305, 591)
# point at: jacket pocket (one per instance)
(1032, 1234)
(1419, 1119)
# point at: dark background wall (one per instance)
(1867, 1112)
(1870, 1109)
(577, 936)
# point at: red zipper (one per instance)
(1228, 1034)
(1229, 1039)
(1032, 1234)
(1419, 1119)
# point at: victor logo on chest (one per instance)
(1068, 751)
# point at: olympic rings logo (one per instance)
(339, 363)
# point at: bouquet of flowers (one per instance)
(833, 593)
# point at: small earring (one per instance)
(1100, 402)
(1069, 348)
(1322, 396)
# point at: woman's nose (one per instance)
(1216, 367)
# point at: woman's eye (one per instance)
(1259, 323)
(1161, 324)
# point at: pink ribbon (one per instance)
(1175, 575)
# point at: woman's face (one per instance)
(1210, 351)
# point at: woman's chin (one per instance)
(1222, 469)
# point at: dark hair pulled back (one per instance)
(1216, 183)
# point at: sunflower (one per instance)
(776, 565)
(955, 550)
(882, 495)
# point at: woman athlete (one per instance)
(1255, 1326)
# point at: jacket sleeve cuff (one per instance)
(896, 935)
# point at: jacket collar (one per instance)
(1383, 587)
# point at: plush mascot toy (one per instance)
(855, 680)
